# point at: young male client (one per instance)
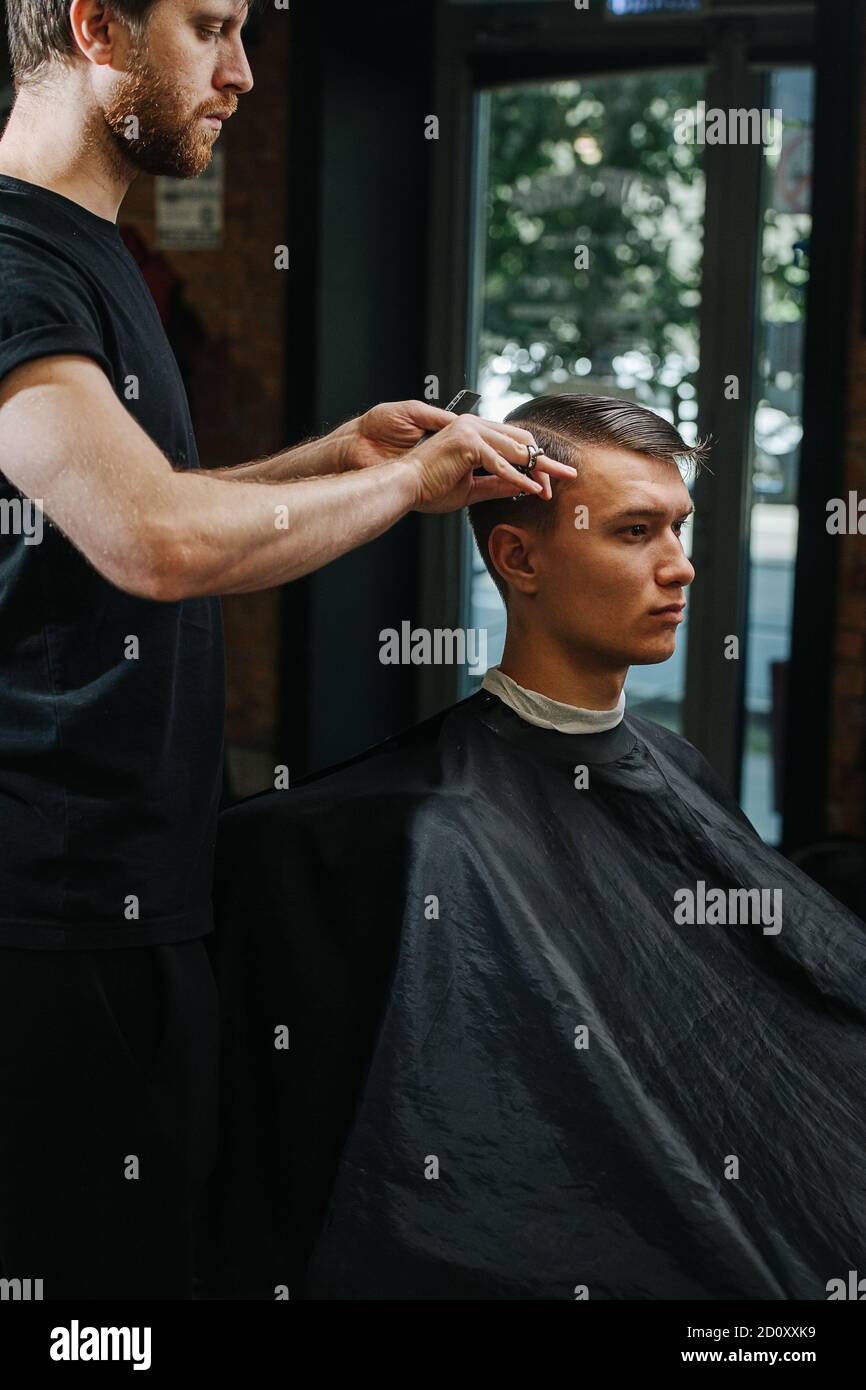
(518, 1005)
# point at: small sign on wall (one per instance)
(792, 184)
(189, 212)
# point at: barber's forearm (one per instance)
(235, 538)
(314, 458)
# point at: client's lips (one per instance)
(673, 614)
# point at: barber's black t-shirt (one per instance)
(111, 706)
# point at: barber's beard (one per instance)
(151, 127)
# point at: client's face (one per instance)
(601, 576)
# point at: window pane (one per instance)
(777, 430)
(594, 164)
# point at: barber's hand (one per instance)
(388, 431)
(444, 465)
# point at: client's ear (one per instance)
(512, 550)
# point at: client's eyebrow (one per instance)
(649, 511)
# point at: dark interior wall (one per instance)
(823, 754)
(847, 772)
(358, 191)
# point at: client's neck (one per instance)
(570, 679)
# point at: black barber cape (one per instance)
(470, 1053)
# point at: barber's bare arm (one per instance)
(67, 441)
(312, 459)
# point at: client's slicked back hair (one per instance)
(562, 426)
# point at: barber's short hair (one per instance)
(562, 425)
(39, 32)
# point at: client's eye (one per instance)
(213, 33)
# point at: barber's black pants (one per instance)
(108, 1105)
